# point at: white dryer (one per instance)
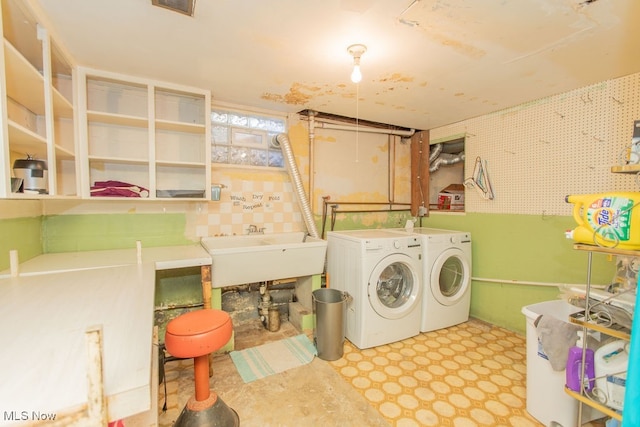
(382, 272)
(446, 298)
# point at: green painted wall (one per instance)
(67, 233)
(527, 248)
(21, 234)
(175, 289)
(356, 221)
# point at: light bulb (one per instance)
(356, 50)
(356, 74)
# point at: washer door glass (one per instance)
(393, 287)
(450, 276)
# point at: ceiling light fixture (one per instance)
(181, 6)
(356, 50)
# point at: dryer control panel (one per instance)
(392, 244)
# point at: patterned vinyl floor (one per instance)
(472, 374)
(469, 375)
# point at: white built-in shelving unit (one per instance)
(91, 126)
(153, 135)
(37, 103)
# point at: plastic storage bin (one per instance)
(546, 399)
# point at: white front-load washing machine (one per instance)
(381, 270)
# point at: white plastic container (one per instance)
(611, 361)
(546, 399)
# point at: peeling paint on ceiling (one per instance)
(478, 56)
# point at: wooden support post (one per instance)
(14, 262)
(97, 404)
(419, 172)
(205, 273)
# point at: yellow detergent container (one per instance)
(607, 219)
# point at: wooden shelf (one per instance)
(25, 84)
(25, 141)
(63, 153)
(169, 163)
(626, 169)
(117, 119)
(609, 251)
(119, 160)
(61, 105)
(180, 126)
(27, 196)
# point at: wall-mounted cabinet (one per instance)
(143, 138)
(38, 108)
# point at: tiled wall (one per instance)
(271, 205)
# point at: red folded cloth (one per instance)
(117, 189)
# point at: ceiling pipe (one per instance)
(401, 133)
(312, 173)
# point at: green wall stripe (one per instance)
(21, 234)
(65, 233)
(529, 248)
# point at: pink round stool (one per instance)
(195, 335)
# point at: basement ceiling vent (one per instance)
(182, 6)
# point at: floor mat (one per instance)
(273, 358)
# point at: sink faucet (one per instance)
(255, 230)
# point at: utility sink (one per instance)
(260, 257)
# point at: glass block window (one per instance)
(239, 138)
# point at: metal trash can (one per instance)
(329, 306)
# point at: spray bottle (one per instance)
(607, 219)
(574, 366)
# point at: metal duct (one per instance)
(445, 159)
(434, 152)
(283, 140)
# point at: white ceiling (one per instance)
(428, 63)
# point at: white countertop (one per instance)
(46, 309)
(164, 257)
